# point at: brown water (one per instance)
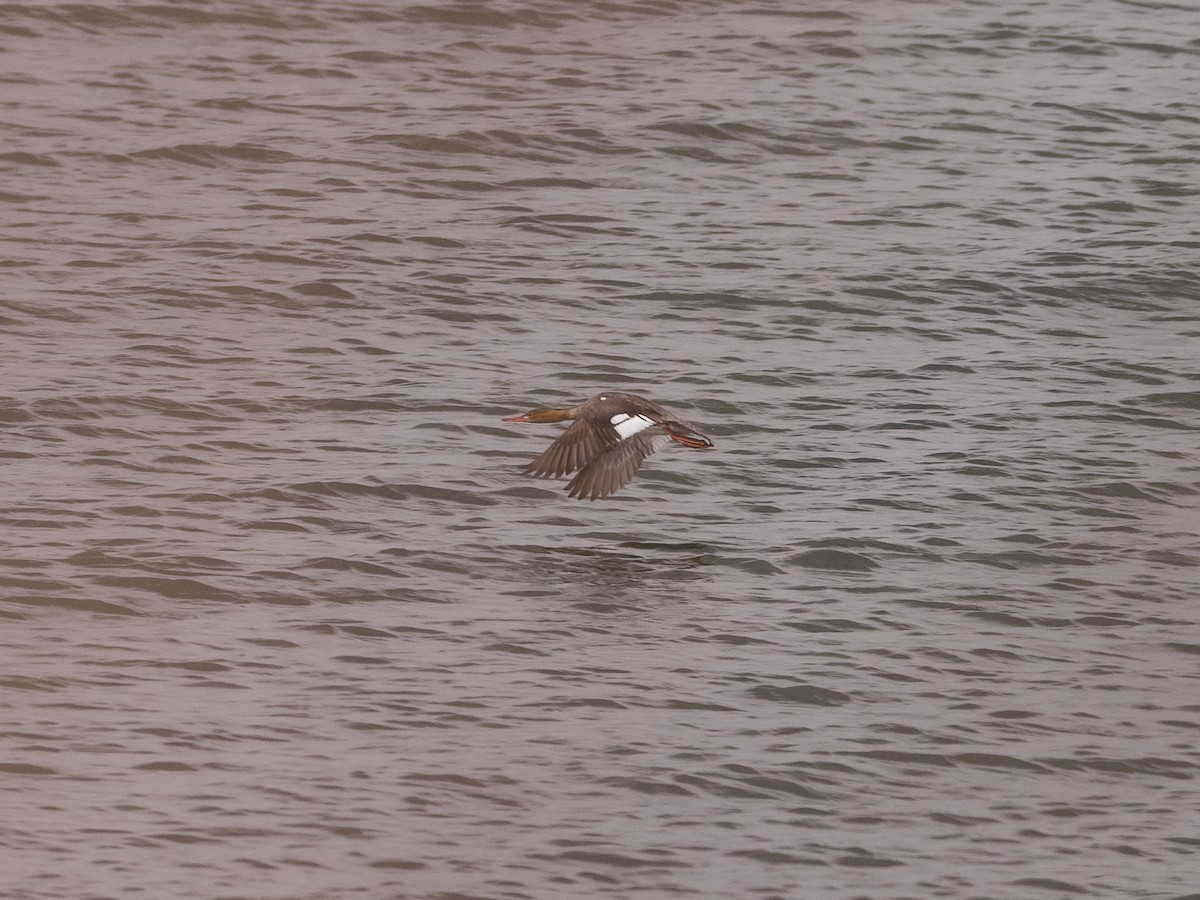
(282, 619)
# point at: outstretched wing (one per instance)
(615, 467)
(574, 448)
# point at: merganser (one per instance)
(611, 435)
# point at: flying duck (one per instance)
(611, 435)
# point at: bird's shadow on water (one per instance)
(629, 575)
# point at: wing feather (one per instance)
(615, 467)
(574, 448)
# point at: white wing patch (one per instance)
(628, 426)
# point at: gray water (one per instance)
(282, 619)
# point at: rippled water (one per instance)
(283, 620)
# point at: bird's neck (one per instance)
(551, 415)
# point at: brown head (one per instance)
(542, 415)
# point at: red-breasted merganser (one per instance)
(611, 435)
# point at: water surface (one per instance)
(282, 618)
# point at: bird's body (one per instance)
(611, 435)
